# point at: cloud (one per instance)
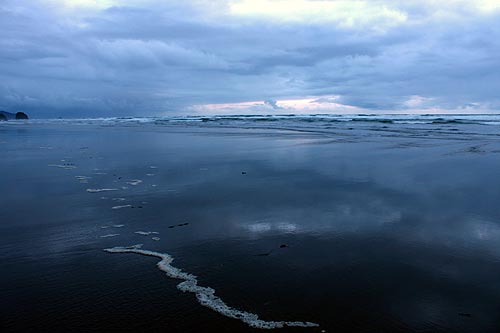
(101, 58)
(273, 104)
(349, 14)
(311, 105)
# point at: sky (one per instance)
(100, 58)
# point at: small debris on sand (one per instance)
(264, 254)
(475, 149)
(179, 225)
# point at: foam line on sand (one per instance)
(134, 182)
(120, 207)
(110, 235)
(67, 167)
(146, 233)
(206, 295)
(98, 190)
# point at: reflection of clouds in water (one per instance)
(341, 217)
(369, 213)
(262, 227)
(287, 227)
(259, 227)
(321, 189)
(471, 232)
(484, 230)
(389, 220)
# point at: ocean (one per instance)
(310, 223)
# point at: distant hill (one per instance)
(7, 115)
(21, 115)
(4, 115)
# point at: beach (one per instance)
(288, 223)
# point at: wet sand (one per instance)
(359, 226)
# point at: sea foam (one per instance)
(206, 295)
(97, 190)
(83, 179)
(61, 166)
(146, 233)
(110, 235)
(121, 206)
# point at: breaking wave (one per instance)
(273, 119)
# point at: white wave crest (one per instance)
(206, 295)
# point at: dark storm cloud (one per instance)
(158, 57)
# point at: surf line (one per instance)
(206, 295)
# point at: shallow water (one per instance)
(359, 226)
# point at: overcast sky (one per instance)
(167, 57)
